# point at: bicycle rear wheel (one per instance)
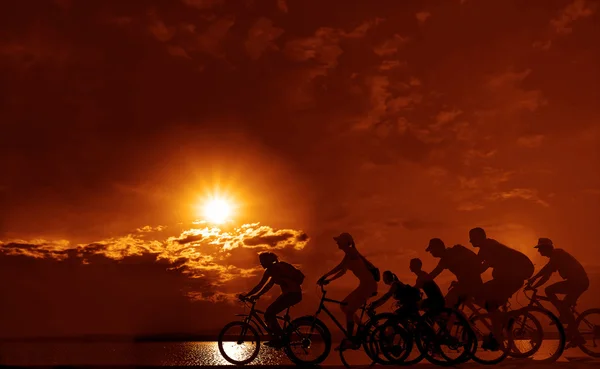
(588, 327)
(308, 341)
(396, 343)
(239, 343)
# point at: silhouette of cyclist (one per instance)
(363, 270)
(435, 298)
(407, 296)
(575, 282)
(289, 279)
(511, 268)
(461, 262)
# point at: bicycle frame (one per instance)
(254, 318)
(323, 307)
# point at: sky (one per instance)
(394, 121)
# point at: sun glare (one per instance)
(217, 210)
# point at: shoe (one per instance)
(490, 343)
(576, 341)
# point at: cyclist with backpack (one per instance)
(367, 274)
(289, 279)
(407, 296)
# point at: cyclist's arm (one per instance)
(337, 275)
(543, 274)
(438, 269)
(266, 288)
(383, 299)
(260, 284)
(339, 271)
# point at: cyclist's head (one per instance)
(545, 246)
(267, 259)
(344, 241)
(389, 277)
(436, 247)
(416, 265)
(477, 236)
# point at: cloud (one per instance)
(423, 16)
(531, 141)
(159, 29)
(578, 9)
(178, 51)
(419, 224)
(260, 37)
(205, 252)
(520, 193)
(390, 46)
(282, 5)
(203, 4)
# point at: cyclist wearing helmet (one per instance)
(363, 270)
(289, 279)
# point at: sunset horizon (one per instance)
(151, 150)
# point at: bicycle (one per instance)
(252, 327)
(481, 325)
(313, 323)
(517, 325)
(432, 332)
(591, 329)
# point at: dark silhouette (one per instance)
(366, 273)
(461, 262)
(289, 279)
(435, 299)
(511, 268)
(575, 282)
(408, 297)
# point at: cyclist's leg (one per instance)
(280, 304)
(562, 288)
(497, 292)
(353, 302)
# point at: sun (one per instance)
(218, 210)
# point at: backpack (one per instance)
(407, 294)
(372, 268)
(292, 272)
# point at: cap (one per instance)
(344, 238)
(435, 242)
(544, 242)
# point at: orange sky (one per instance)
(394, 121)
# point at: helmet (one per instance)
(344, 239)
(267, 259)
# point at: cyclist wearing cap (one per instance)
(575, 282)
(363, 270)
(461, 262)
(511, 268)
(289, 279)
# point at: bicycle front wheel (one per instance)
(549, 344)
(239, 343)
(445, 337)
